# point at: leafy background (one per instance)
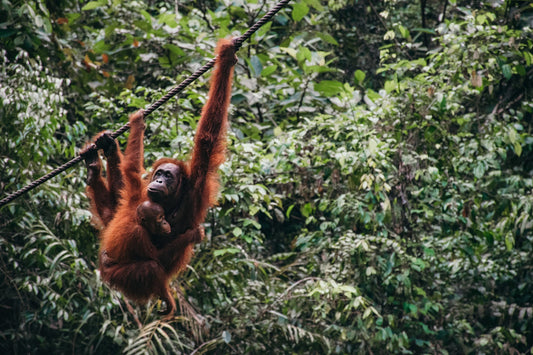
(377, 196)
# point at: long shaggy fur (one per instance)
(129, 260)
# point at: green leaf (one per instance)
(91, 5)
(528, 57)
(220, 252)
(517, 147)
(359, 76)
(289, 210)
(443, 104)
(237, 232)
(327, 38)
(174, 49)
(481, 19)
(418, 264)
(513, 135)
(404, 32)
(146, 15)
(253, 222)
(303, 53)
(306, 210)
(390, 85)
(507, 72)
(318, 69)
(269, 70)
(479, 170)
(372, 95)
(290, 51)
(168, 18)
(509, 241)
(520, 70)
(299, 10)
(329, 87)
(256, 64)
(412, 308)
(424, 30)
(316, 4)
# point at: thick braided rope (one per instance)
(238, 43)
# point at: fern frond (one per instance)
(158, 337)
(298, 334)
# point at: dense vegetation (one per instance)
(377, 197)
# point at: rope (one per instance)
(238, 41)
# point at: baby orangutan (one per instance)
(152, 217)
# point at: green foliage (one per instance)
(157, 337)
(377, 196)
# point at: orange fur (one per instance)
(104, 194)
(129, 260)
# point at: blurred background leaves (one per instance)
(377, 196)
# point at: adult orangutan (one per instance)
(129, 259)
